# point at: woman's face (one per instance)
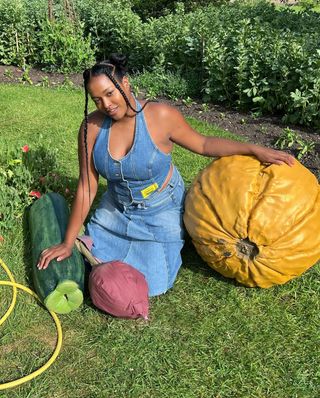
(107, 97)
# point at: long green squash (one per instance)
(61, 285)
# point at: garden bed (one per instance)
(264, 130)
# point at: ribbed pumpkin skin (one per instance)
(237, 199)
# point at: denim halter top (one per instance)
(140, 173)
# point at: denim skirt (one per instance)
(146, 234)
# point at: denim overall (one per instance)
(136, 222)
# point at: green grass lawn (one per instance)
(207, 337)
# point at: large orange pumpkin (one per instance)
(256, 223)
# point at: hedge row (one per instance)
(253, 56)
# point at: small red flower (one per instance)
(35, 194)
(25, 148)
(1, 238)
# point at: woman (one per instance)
(139, 219)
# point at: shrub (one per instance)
(158, 8)
(113, 26)
(61, 47)
(252, 56)
(256, 61)
(25, 175)
(27, 37)
(15, 33)
(158, 82)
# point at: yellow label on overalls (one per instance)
(147, 191)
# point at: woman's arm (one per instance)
(80, 207)
(222, 147)
(183, 134)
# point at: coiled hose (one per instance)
(16, 286)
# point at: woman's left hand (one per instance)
(267, 155)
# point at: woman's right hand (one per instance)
(59, 252)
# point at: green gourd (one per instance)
(60, 286)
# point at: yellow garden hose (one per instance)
(15, 285)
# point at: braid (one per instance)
(98, 69)
(86, 136)
(117, 85)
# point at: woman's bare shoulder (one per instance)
(161, 110)
(95, 121)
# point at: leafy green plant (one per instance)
(304, 147)
(13, 31)
(291, 139)
(159, 82)
(263, 129)
(135, 87)
(14, 182)
(45, 82)
(205, 106)
(287, 138)
(157, 8)
(67, 83)
(308, 4)
(27, 37)
(25, 78)
(187, 101)
(8, 73)
(25, 174)
(113, 27)
(247, 54)
(62, 47)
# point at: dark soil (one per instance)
(259, 130)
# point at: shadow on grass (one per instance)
(192, 261)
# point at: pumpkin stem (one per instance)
(247, 249)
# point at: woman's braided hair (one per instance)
(115, 68)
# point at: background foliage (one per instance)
(157, 8)
(25, 174)
(251, 54)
